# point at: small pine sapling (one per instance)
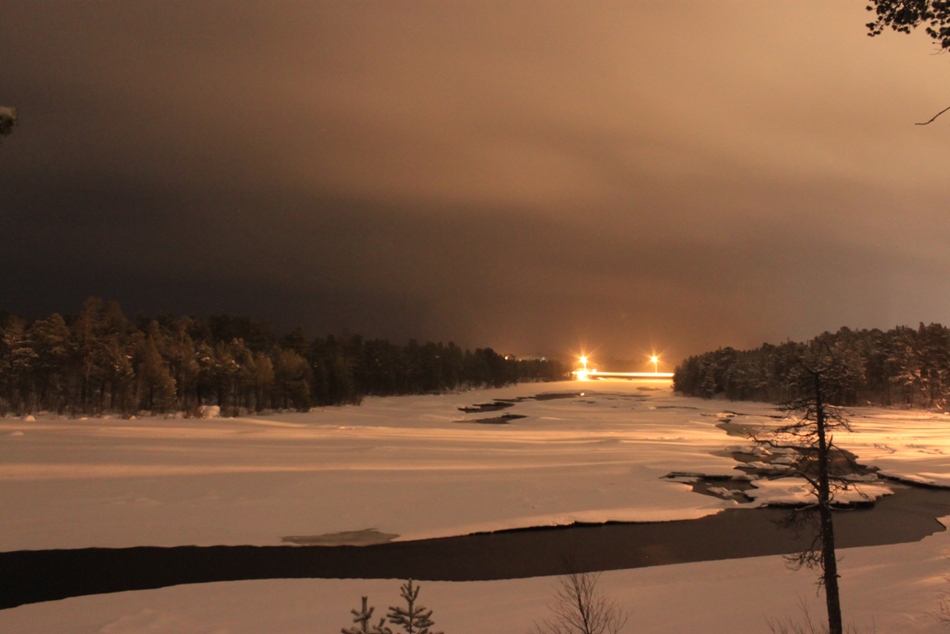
(414, 618)
(362, 617)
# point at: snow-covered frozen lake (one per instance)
(418, 467)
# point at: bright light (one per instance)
(581, 375)
(655, 360)
(584, 362)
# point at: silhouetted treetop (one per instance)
(905, 15)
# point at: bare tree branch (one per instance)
(580, 608)
(934, 117)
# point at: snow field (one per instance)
(406, 466)
(398, 465)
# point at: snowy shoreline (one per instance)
(907, 516)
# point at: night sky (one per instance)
(539, 177)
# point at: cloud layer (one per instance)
(532, 176)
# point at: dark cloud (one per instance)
(533, 176)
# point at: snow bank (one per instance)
(911, 445)
(796, 491)
(209, 411)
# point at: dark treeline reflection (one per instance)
(99, 361)
(902, 367)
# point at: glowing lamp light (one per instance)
(655, 360)
(583, 374)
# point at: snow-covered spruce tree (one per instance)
(362, 617)
(414, 618)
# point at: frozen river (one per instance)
(406, 469)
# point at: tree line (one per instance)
(903, 367)
(99, 361)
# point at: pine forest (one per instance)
(901, 367)
(98, 361)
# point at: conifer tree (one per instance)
(16, 368)
(225, 370)
(118, 372)
(413, 618)
(291, 375)
(156, 385)
(51, 340)
(84, 348)
(182, 363)
(813, 436)
(363, 617)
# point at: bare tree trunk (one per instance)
(828, 560)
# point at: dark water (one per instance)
(33, 576)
